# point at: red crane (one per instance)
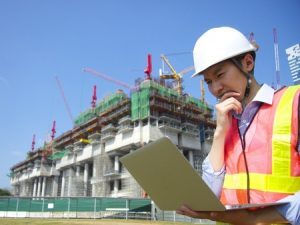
(148, 69)
(53, 130)
(108, 78)
(94, 97)
(64, 98)
(33, 143)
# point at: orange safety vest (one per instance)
(271, 154)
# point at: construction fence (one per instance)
(75, 207)
(92, 207)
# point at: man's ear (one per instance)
(248, 62)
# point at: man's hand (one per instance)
(228, 103)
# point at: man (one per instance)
(255, 154)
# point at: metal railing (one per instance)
(89, 207)
(75, 207)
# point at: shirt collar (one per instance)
(265, 94)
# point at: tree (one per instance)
(4, 192)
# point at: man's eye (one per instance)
(220, 75)
(208, 82)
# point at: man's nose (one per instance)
(217, 88)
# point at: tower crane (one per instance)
(106, 77)
(48, 148)
(148, 68)
(147, 71)
(252, 40)
(53, 130)
(94, 97)
(33, 143)
(276, 58)
(202, 91)
(174, 75)
(64, 98)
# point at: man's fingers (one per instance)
(228, 105)
(185, 210)
(229, 95)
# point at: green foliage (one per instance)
(4, 192)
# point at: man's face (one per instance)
(225, 77)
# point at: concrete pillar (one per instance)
(141, 132)
(191, 158)
(117, 164)
(63, 184)
(77, 170)
(44, 186)
(34, 187)
(55, 186)
(95, 169)
(85, 179)
(39, 187)
(93, 189)
(102, 148)
(95, 175)
(28, 188)
(70, 183)
(22, 193)
(115, 186)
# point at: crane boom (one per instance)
(106, 77)
(174, 75)
(64, 98)
(186, 70)
(164, 58)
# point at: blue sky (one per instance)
(43, 39)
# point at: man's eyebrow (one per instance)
(215, 71)
(218, 68)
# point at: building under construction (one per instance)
(84, 161)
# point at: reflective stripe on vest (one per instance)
(280, 180)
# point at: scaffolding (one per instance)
(151, 94)
(102, 106)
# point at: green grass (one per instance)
(30, 221)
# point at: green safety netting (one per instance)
(58, 155)
(140, 99)
(102, 106)
(140, 102)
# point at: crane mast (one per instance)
(94, 97)
(148, 69)
(33, 143)
(276, 58)
(202, 91)
(174, 75)
(53, 130)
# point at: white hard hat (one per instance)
(217, 45)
